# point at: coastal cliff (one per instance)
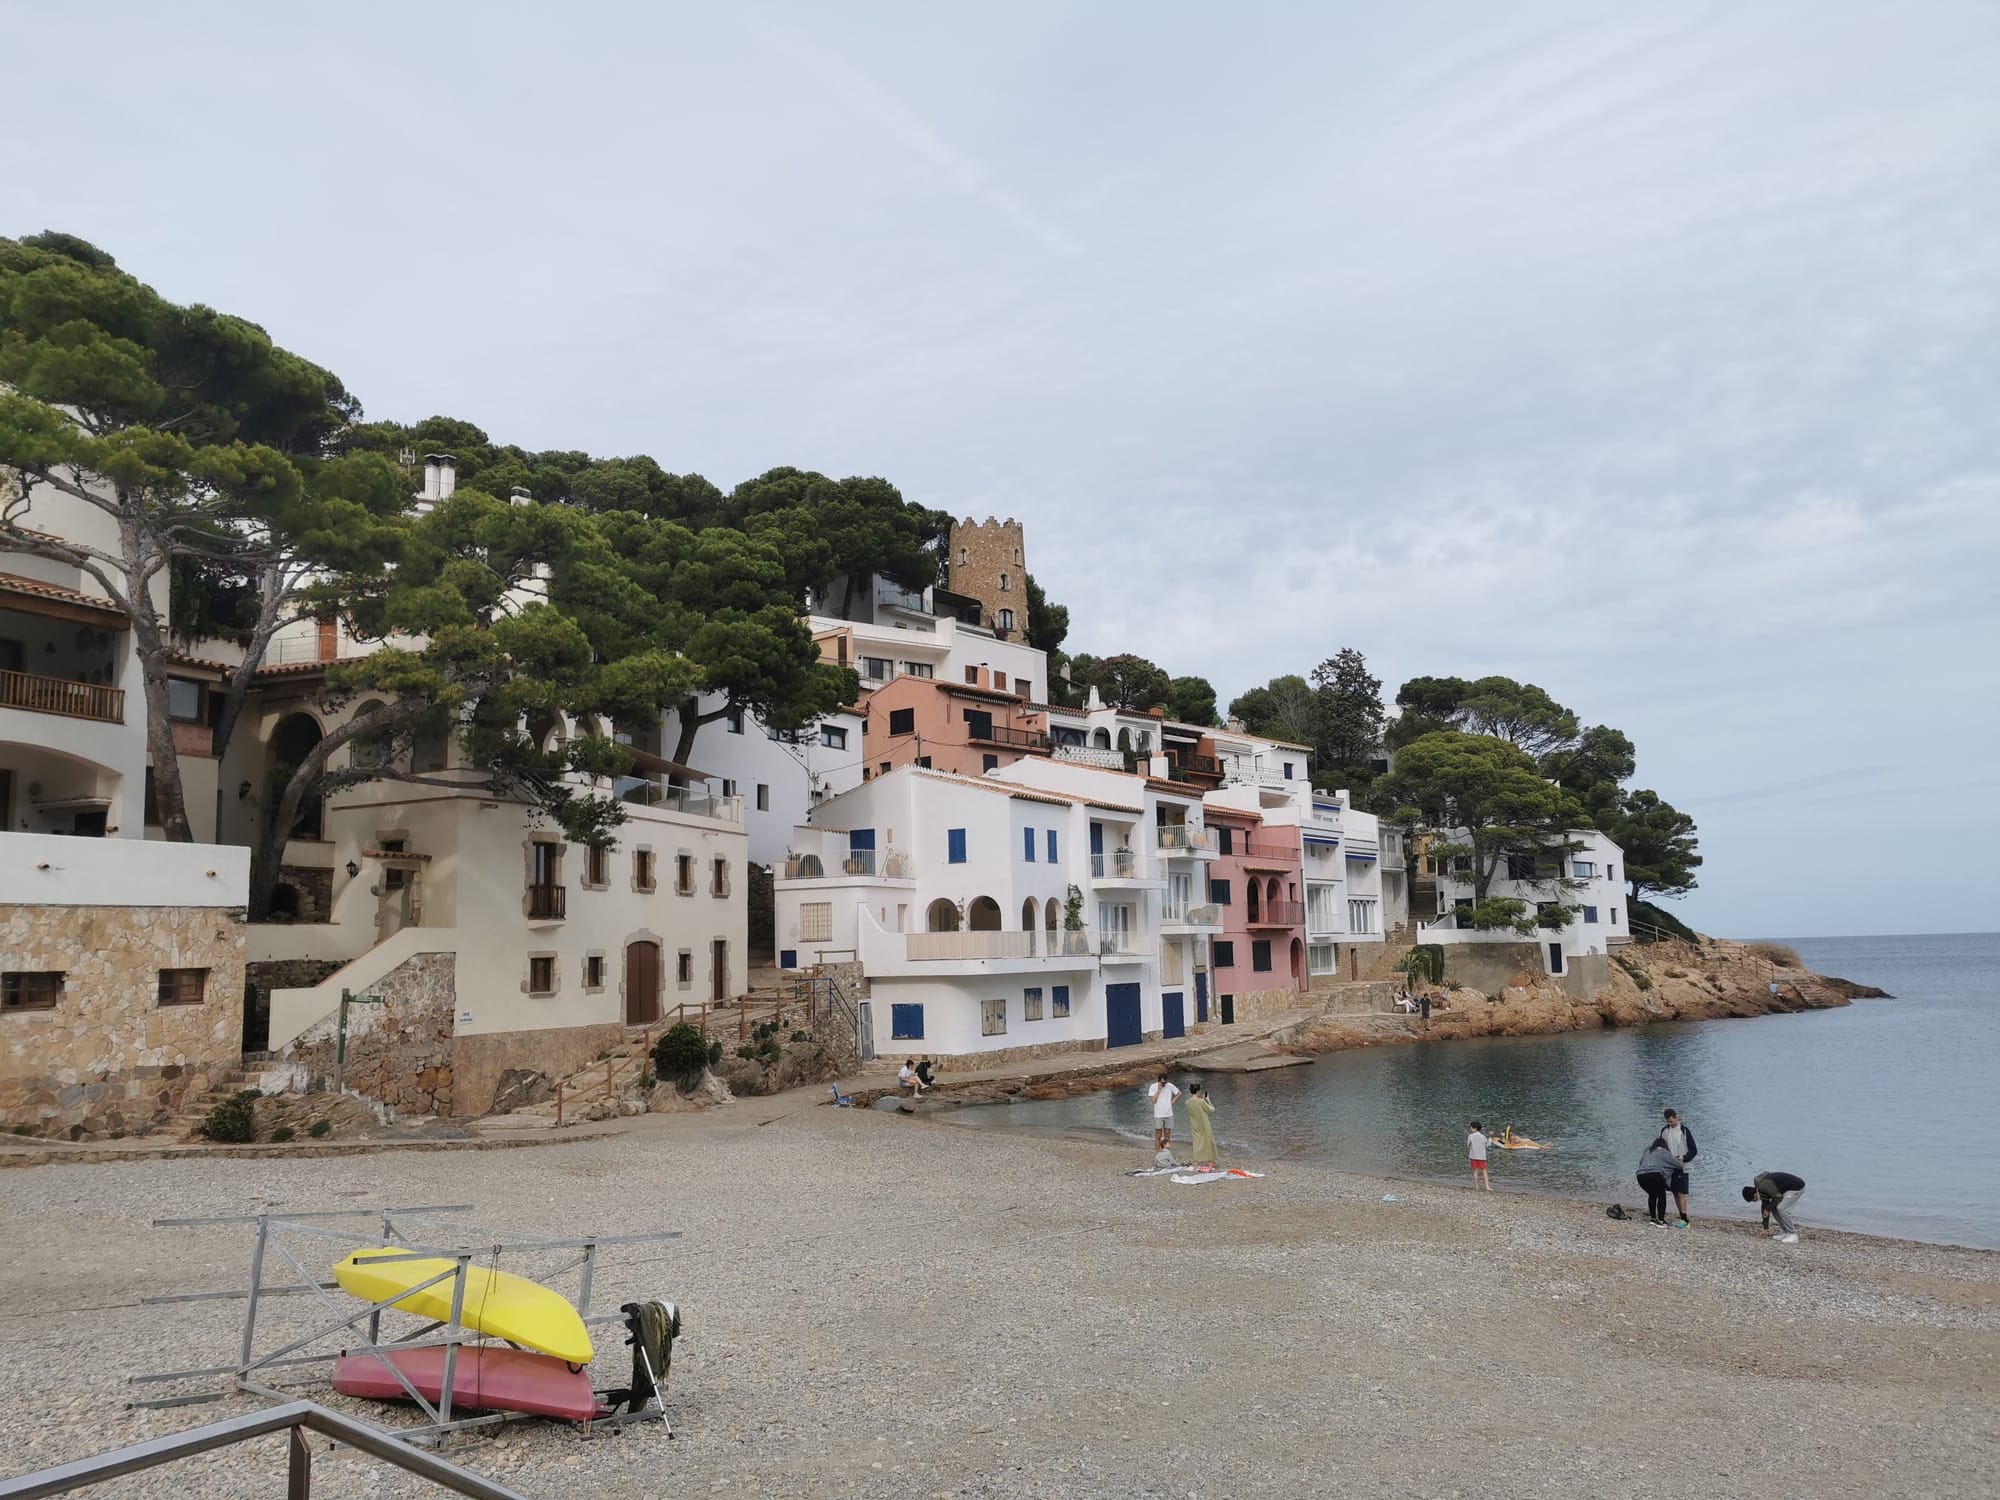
(1674, 981)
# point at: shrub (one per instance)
(1652, 924)
(282, 1134)
(681, 1054)
(1777, 954)
(798, 1036)
(746, 1049)
(233, 1121)
(769, 1050)
(319, 1130)
(1639, 977)
(1424, 962)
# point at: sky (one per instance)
(1648, 354)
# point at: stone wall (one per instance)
(315, 888)
(399, 1052)
(1262, 1005)
(266, 975)
(478, 1061)
(831, 1031)
(990, 550)
(109, 1057)
(1491, 968)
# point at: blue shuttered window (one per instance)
(1052, 846)
(954, 840)
(906, 1022)
(1028, 845)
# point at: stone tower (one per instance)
(988, 562)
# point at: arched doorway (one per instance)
(1030, 912)
(1251, 891)
(291, 743)
(642, 982)
(941, 916)
(983, 915)
(1051, 914)
(1124, 739)
(1300, 981)
(1100, 739)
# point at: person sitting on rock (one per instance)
(907, 1078)
(924, 1073)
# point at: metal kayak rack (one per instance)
(421, 1232)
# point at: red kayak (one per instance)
(488, 1378)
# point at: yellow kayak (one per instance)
(496, 1303)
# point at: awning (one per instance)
(1323, 843)
(659, 765)
(1354, 855)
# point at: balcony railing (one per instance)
(52, 695)
(1000, 734)
(1091, 755)
(900, 598)
(1193, 916)
(649, 791)
(1119, 864)
(1194, 765)
(1126, 945)
(935, 947)
(1280, 914)
(1179, 838)
(547, 903)
(885, 864)
(1271, 849)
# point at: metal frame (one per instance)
(295, 1417)
(404, 1229)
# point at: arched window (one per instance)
(1003, 583)
(1124, 739)
(1100, 739)
(961, 557)
(1250, 896)
(941, 917)
(1006, 619)
(983, 915)
(1051, 914)
(1029, 911)
(290, 745)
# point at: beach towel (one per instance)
(1179, 1166)
(1214, 1176)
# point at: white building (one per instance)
(1586, 879)
(780, 774)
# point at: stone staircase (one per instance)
(185, 1124)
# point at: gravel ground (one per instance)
(884, 1306)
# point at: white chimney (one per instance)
(519, 496)
(430, 489)
(447, 474)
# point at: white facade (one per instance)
(904, 643)
(1592, 883)
(56, 870)
(1343, 851)
(781, 775)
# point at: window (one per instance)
(1590, 914)
(954, 844)
(30, 990)
(183, 986)
(1031, 1004)
(593, 972)
(906, 1023)
(978, 724)
(1225, 843)
(1218, 890)
(394, 877)
(972, 675)
(763, 797)
(728, 787)
(877, 668)
(902, 721)
(1222, 955)
(989, 763)
(1583, 869)
(1322, 958)
(883, 769)
(545, 864)
(184, 699)
(735, 720)
(1028, 845)
(1288, 770)
(1024, 687)
(1003, 583)
(1260, 955)
(1000, 682)
(833, 736)
(922, 763)
(542, 974)
(152, 796)
(718, 884)
(642, 869)
(1461, 864)
(1611, 873)
(993, 1018)
(1052, 846)
(1614, 916)
(683, 874)
(1006, 619)
(918, 669)
(1520, 867)
(961, 563)
(596, 866)
(816, 921)
(1059, 1002)
(684, 968)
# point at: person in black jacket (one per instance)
(1778, 1193)
(1680, 1141)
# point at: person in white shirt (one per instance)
(1163, 1094)
(909, 1080)
(1476, 1142)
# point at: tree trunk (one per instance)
(272, 597)
(688, 718)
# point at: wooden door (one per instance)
(1121, 1016)
(642, 983)
(718, 965)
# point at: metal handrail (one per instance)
(294, 1417)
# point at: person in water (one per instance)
(1476, 1142)
(1200, 1108)
(1656, 1168)
(1680, 1141)
(1778, 1193)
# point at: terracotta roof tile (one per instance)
(14, 583)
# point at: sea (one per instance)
(1889, 1109)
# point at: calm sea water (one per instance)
(1887, 1108)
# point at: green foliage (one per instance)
(799, 1036)
(1123, 681)
(233, 1121)
(1048, 624)
(1285, 708)
(319, 1130)
(282, 1134)
(1424, 963)
(1554, 916)
(1492, 913)
(681, 1054)
(1073, 911)
(831, 534)
(1652, 924)
(1519, 713)
(1487, 792)
(1659, 843)
(1191, 700)
(1638, 976)
(1348, 717)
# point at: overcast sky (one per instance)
(1649, 354)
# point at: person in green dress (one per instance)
(1200, 1107)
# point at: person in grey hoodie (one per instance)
(1656, 1169)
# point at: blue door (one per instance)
(1173, 1019)
(1121, 1016)
(1201, 998)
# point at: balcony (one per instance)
(651, 791)
(1283, 850)
(947, 947)
(547, 903)
(999, 734)
(1126, 867)
(876, 864)
(1186, 918)
(1126, 947)
(896, 597)
(53, 695)
(1091, 755)
(1181, 841)
(1280, 914)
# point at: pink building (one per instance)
(969, 728)
(1257, 879)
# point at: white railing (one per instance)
(1126, 945)
(925, 947)
(647, 791)
(1118, 864)
(1194, 916)
(1178, 838)
(885, 864)
(1091, 755)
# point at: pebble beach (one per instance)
(886, 1306)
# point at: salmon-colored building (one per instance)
(965, 727)
(1257, 880)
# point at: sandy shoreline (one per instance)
(887, 1306)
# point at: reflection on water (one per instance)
(1886, 1108)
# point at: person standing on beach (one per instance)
(1680, 1141)
(1163, 1094)
(1200, 1107)
(1656, 1169)
(1476, 1143)
(1778, 1193)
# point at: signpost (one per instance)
(340, 1056)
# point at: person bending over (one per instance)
(1777, 1193)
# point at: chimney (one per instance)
(519, 496)
(440, 476)
(329, 638)
(1236, 726)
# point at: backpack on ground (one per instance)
(1616, 1211)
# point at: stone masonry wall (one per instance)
(266, 975)
(990, 550)
(478, 1061)
(400, 1051)
(109, 1057)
